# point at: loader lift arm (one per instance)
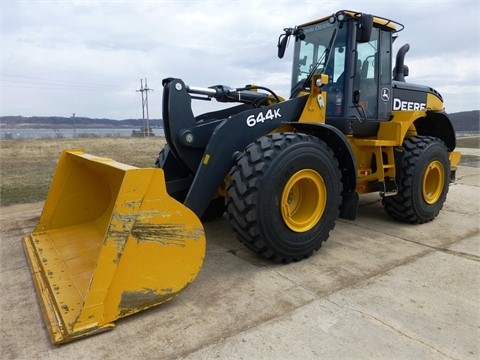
(207, 148)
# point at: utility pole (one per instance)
(145, 90)
(74, 126)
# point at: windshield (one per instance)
(311, 53)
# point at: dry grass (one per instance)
(472, 142)
(27, 166)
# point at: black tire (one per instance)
(161, 156)
(284, 196)
(425, 177)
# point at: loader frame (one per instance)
(368, 147)
(114, 240)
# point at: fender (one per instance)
(437, 124)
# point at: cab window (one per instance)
(367, 74)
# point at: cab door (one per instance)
(372, 83)
(373, 78)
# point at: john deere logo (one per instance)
(407, 105)
(385, 94)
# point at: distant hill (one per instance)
(58, 122)
(462, 121)
(466, 121)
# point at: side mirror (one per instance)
(283, 39)
(364, 28)
(282, 44)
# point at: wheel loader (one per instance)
(113, 239)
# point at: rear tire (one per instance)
(284, 196)
(425, 180)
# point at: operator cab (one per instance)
(354, 50)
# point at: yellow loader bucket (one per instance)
(110, 242)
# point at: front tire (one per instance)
(284, 196)
(424, 181)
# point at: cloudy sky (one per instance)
(87, 57)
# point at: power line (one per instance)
(8, 79)
(40, 87)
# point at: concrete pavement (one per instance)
(376, 289)
(469, 151)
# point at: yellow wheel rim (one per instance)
(303, 200)
(433, 182)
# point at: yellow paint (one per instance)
(455, 157)
(110, 242)
(433, 182)
(206, 159)
(433, 102)
(303, 200)
(377, 20)
(315, 108)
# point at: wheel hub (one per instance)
(433, 181)
(303, 200)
